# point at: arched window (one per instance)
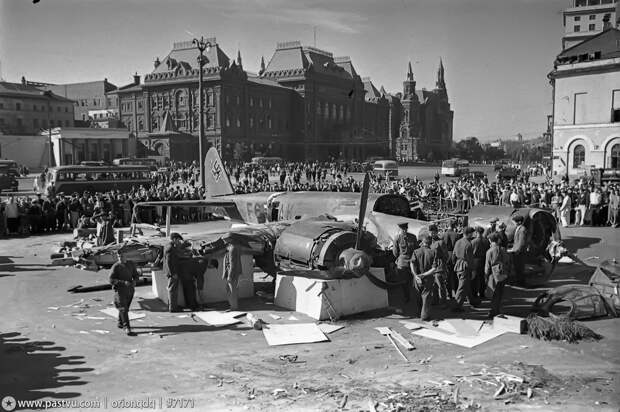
(615, 156)
(579, 155)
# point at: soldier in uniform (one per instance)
(172, 269)
(424, 266)
(463, 254)
(503, 237)
(450, 236)
(404, 245)
(496, 268)
(441, 255)
(492, 228)
(123, 277)
(231, 274)
(519, 249)
(480, 245)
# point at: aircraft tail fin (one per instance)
(217, 181)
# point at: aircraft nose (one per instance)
(355, 261)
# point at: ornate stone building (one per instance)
(425, 131)
(303, 104)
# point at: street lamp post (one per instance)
(202, 45)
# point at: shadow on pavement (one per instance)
(31, 370)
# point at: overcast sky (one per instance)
(497, 53)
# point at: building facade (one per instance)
(26, 109)
(74, 145)
(426, 119)
(303, 104)
(93, 106)
(587, 18)
(586, 118)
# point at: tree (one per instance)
(469, 149)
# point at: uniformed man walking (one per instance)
(424, 266)
(404, 245)
(463, 254)
(492, 228)
(496, 268)
(519, 249)
(123, 277)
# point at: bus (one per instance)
(267, 161)
(388, 168)
(144, 161)
(454, 167)
(8, 178)
(77, 179)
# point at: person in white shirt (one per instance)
(565, 209)
(596, 199)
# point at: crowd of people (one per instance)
(580, 203)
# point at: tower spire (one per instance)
(441, 82)
(409, 72)
(262, 64)
(239, 58)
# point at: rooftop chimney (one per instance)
(136, 78)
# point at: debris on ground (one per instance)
(559, 328)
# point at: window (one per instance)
(269, 102)
(182, 102)
(615, 106)
(66, 109)
(577, 28)
(260, 102)
(592, 17)
(238, 98)
(251, 121)
(35, 123)
(18, 106)
(34, 107)
(269, 125)
(238, 121)
(1, 105)
(577, 18)
(592, 27)
(579, 155)
(58, 109)
(227, 121)
(579, 113)
(66, 123)
(615, 157)
(251, 101)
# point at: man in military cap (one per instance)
(450, 236)
(519, 249)
(480, 245)
(172, 269)
(424, 266)
(492, 228)
(441, 256)
(463, 254)
(123, 277)
(503, 237)
(404, 245)
(496, 268)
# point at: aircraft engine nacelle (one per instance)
(316, 245)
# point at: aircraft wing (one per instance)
(385, 227)
(227, 208)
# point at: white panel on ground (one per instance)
(293, 333)
(218, 319)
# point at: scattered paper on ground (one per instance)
(486, 333)
(329, 328)
(276, 317)
(292, 318)
(218, 319)
(566, 259)
(114, 313)
(100, 331)
(293, 333)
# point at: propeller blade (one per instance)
(363, 204)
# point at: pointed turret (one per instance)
(262, 65)
(409, 85)
(239, 58)
(409, 72)
(441, 83)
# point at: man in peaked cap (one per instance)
(172, 266)
(492, 228)
(463, 253)
(404, 245)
